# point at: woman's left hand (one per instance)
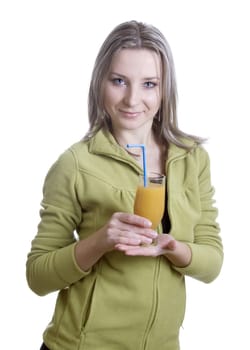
(177, 252)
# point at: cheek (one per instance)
(153, 101)
(110, 97)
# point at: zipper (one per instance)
(170, 214)
(157, 267)
(154, 305)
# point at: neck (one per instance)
(156, 151)
(125, 138)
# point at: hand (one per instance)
(161, 246)
(126, 230)
(178, 253)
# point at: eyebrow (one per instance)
(123, 76)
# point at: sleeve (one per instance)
(51, 263)
(207, 249)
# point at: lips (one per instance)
(130, 114)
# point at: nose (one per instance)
(132, 96)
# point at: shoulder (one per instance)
(66, 163)
(198, 161)
(70, 157)
(190, 149)
(195, 159)
(201, 155)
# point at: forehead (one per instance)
(144, 62)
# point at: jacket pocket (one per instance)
(88, 304)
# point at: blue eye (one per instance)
(118, 81)
(149, 84)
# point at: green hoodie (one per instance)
(122, 302)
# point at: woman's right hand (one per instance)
(122, 228)
(126, 228)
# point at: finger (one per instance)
(171, 245)
(130, 238)
(140, 232)
(166, 241)
(118, 222)
(128, 241)
(133, 219)
(148, 250)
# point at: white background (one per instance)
(47, 54)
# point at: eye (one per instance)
(150, 84)
(118, 81)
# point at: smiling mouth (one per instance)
(129, 114)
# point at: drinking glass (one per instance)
(150, 200)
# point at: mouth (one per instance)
(130, 114)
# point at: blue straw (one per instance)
(143, 148)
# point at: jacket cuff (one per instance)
(67, 267)
(200, 266)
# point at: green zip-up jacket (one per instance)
(122, 302)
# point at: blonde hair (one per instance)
(133, 34)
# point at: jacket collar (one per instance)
(175, 152)
(104, 143)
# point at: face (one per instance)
(132, 89)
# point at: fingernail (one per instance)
(148, 223)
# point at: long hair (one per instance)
(137, 35)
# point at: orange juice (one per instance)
(150, 202)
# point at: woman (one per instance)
(116, 289)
